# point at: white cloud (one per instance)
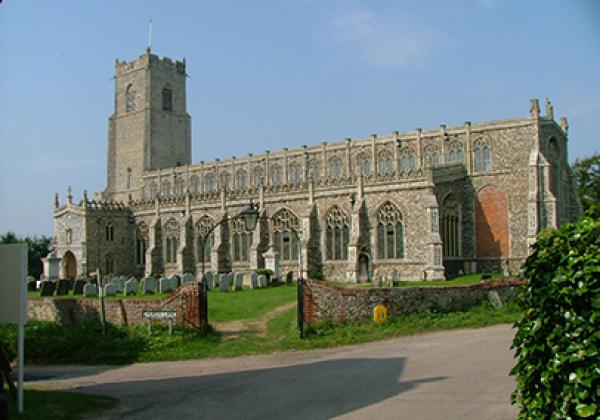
(383, 40)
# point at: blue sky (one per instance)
(270, 74)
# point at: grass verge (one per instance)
(59, 405)
(457, 281)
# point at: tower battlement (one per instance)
(149, 60)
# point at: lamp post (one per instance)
(250, 217)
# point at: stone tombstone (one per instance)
(253, 280)
(119, 284)
(224, 282)
(110, 289)
(79, 284)
(210, 279)
(130, 287)
(30, 278)
(175, 282)
(188, 278)
(90, 290)
(31, 285)
(262, 281)
(272, 263)
(165, 285)
(62, 287)
(47, 288)
(238, 281)
(149, 285)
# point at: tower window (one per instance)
(128, 178)
(110, 232)
(167, 100)
(130, 99)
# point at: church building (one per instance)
(422, 204)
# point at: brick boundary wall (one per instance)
(324, 301)
(184, 301)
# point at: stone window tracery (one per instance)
(455, 152)
(69, 236)
(225, 180)
(130, 99)
(165, 189)
(285, 227)
(337, 234)
(241, 179)
(141, 242)
(167, 99)
(171, 234)
(110, 232)
(363, 161)
(276, 175)
(386, 163)
(179, 187)
(390, 232)
(314, 170)
(408, 159)
(240, 240)
(203, 226)
(431, 156)
(151, 191)
(451, 227)
(295, 173)
(194, 183)
(209, 183)
(259, 176)
(335, 168)
(109, 263)
(482, 156)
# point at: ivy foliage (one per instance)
(557, 342)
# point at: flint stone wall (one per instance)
(323, 301)
(184, 301)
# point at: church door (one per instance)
(363, 268)
(70, 265)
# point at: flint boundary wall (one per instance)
(184, 301)
(324, 301)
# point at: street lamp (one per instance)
(250, 217)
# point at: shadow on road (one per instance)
(316, 390)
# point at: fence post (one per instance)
(300, 307)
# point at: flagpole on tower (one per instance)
(150, 36)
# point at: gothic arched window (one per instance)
(109, 263)
(482, 155)
(390, 232)
(363, 161)
(167, 99)
(165, 188)
(194, 183)
(241, 179)
(179, 187)
(276, 175)
(130, 99)
(455, 152)
(408, 158)
(151, 191)
(314, 170)
(554, 158)
(295, 173)
(69, 236)
(240, 240)
(451, 227)
(431, 156)
(337, 234)
(141, 243)
(285, 234)
(203, 226)
(225, 181)
(259, 176)
(110, 232)
(171, 234)
(386, 163)
(335, 168)
(129, 180)
(209, 183)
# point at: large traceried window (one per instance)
(385, 163)
(165, 188)
(456, 152)
(203, 226)
(141, 243)
(335, 168)
(179, 187)
(390, 232)
(167, 99)
(276, 175)
(337, 234)
(259, 176)
(363, 161)
(240, 179)
(194, 184)
(451, 227)
(285, 234)
(130, 99)
(408, 159)
(295, 173)
(241, 239)
(171, 234)
(482, 156)
(431, 156)
(314, 170)
(225, 180)
(150, 191)
(209, 183)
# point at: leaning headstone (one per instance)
(63, 287)
(79, 284)
(224, 282)
(238, 281)
(253, 280)
(495, 299)
(47, 288)
(165, 285)
(90, 290)
(119, 283)
(149, 285)
(130, 287)
(262, 281)
(188, 278)
(110, 289)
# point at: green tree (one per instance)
(587, 171)
(37, 248)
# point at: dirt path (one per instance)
(234, 329)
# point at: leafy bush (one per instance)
(558, 339)
(264, 271)
(315, 274)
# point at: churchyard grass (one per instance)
(457, 281)
(60, 405)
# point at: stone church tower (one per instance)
(150, 127)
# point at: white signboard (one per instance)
(13, 300)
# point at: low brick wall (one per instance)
(323, 301)
(184, 301)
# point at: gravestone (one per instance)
(262, 281)
(495, 299)
(130, 287)
(224, 282)
(119, 284)
(79, 284)
(31, 285)
(188, 278)
(165, 285)
(253, 280)
(175, 281)
(90, 290)
(210, 279)
(238, 281)
(62, 287)
(149, 285)
(110, 289)
(47, 288)
(30, 278)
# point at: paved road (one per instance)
(448, 375)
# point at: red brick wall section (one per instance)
(184, 301)
(491, 222)
(323, 301)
